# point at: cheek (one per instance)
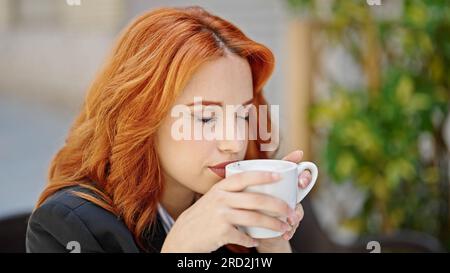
(191, 152)
(176, 155)
(185, 160)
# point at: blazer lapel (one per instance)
(155, 236)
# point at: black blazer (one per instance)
(65, 217)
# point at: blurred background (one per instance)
(363, 88)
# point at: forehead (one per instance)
(227, 79)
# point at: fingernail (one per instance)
(309, 175)
(255, 244)
(298, 217)
(292, 216)
(302, 182)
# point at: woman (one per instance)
(122, 183)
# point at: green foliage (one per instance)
(372, 136)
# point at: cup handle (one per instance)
(302, 166)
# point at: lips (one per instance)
(219, 169)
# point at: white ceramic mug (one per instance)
(285, 189)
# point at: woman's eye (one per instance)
(206, 120)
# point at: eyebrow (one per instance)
(207, 102)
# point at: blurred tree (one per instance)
(374, 135)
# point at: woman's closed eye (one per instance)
(211, 119)
(207, 120)
(204, 120)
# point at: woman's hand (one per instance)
(281, 244)
(211, 221)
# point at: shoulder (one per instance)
(66, 219)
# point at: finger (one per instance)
(250, 218)
(295, 156)
(299, 216)
(304, 179)
(240, 181)
(254, 201)
(238, 237)
(299, 213)
(287, 236)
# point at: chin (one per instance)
(206, 186)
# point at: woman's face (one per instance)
(188, 162)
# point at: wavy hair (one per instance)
(110, 146)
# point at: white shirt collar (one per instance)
(167, 220)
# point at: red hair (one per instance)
(109, 148)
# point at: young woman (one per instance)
(123, 183)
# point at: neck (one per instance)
(176, 198)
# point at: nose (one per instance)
(233, 136)
(231, 146)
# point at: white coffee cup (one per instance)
(285, 189)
